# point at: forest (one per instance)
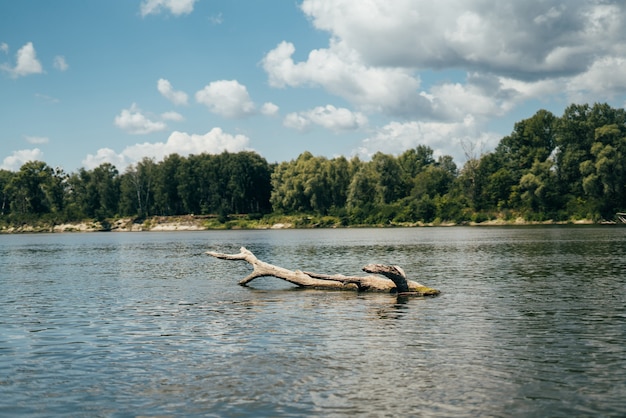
(562, 169)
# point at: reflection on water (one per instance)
(531, 322)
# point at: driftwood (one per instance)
(395, 280)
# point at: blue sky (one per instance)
(84, 82)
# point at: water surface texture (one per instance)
(531, 322)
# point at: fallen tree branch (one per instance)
(395, 280)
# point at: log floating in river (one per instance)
(395, 280)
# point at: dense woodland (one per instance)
(549, 168)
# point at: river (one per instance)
(531, 322)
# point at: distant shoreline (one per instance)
(203, 223)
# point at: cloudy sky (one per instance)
(85, 81)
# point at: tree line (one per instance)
(549, 167)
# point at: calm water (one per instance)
(531, 322)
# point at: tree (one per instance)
(136, 188)
(167, 200)
(390, 180)
(247, 177)
(604, 175)
(5, 202)
(364, 189)
(532, 140)
(338, 174)
(435, 179)
(106, 183)
(469, 178)
(34, 189)
(301, 185)
(412, 162)
(189, 183)
(578, 131)
(537, 191)
(575, 135)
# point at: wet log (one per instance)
(394, 280)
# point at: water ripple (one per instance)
(531, 322)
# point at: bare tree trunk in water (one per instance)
(395, 280)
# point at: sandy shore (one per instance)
(199, 223)
(183, 223)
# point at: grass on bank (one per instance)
(258, 221)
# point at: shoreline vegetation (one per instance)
(549, 170)
(209, 222)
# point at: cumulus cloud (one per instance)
(392, 91)
(605, 76)
(328, 117)
(175, 7)
(381, 54)
(443, 138)
(340, 71)
(14, 161)
(175, 96)
(173, 116)
(535, 38)
(60, 63)
(26, 62)
(479, 95)
(227, 98)
(182, 143)
(133, 121)
(37, 139)
(105, 155)
(269, 109)
(296, 121)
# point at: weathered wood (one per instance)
(395, 280)
(393, 273)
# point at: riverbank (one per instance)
(156, 223)
(204, 223)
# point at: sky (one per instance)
(83, 82)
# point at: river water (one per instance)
(531, 322)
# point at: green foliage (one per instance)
(310, 184)
(5, 193)
(549, 168)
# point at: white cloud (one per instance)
(482, 97)
(382, 55)
(339, 70)
(514, 38)
(27, 62)
(14, 161)
(105, 155)
(4, 47)
(133, 121)
(60, 63)
(182, 143)
(534, 89)
(296, 121)
(604, 77)
(269, 109)
(173, 116)
(174, 96)
(329, 117)
(214, 141)
(443, 138)
(175, 7)
(227, 98)
(392, 91)
(37, 139)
